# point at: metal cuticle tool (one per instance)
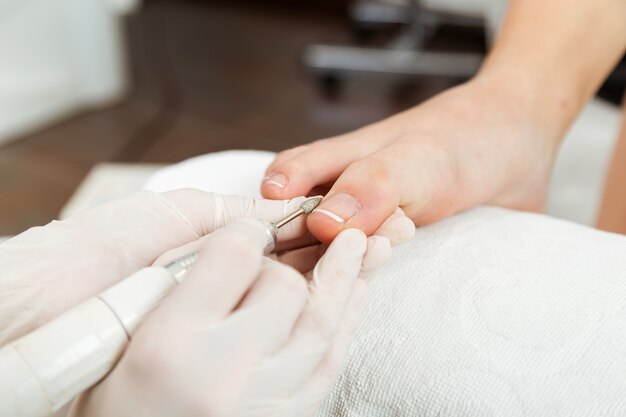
(306, 207)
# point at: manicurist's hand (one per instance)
(243, 335)
(48, 270)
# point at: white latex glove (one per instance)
(48, 270)
(243, 335)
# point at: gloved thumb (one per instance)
(229, 261)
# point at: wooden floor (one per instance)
(207, 76)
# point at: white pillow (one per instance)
(228, 172)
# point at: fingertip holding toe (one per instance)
(379, 247)
(352, 239)
(402, 229)
(377, 254)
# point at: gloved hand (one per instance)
(48, 270)
(243, 335)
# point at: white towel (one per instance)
(492, 313)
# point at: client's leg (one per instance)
(492, 313)
(612, 215)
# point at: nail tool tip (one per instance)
(310, 204)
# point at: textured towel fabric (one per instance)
(492, 313)
(489, 313)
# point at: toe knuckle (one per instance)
(377, 170)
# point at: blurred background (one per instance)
(140, 84)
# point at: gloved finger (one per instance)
(186, 249)
(289, 371)
(274, 302)
(304, 259)
(284, 247)
(377, 254)
(306, 400)
(207, 212)
(228, 263)
(398, 228)
(290, 236)
(297, 171)
(330, 291)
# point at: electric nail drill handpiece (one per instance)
(44, 370)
